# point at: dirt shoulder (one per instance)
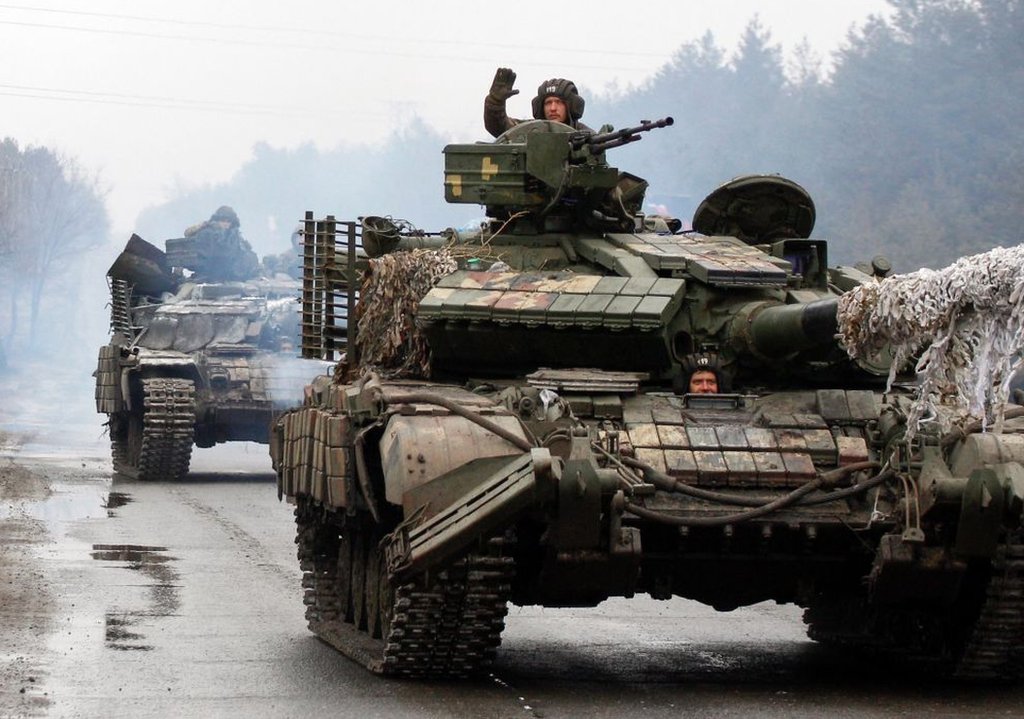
(27, 601)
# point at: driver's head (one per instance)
(703, 382)
(704, 373)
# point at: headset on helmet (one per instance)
(566, 91)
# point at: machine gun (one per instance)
(616, 138)
(547, 174)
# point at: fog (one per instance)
(900, 119)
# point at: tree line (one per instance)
(52, 213)
(911, 146)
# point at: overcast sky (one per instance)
(155, 96)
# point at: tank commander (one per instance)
(221, 253)
(705, 374)
(557, 100)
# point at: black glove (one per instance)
(501, 88)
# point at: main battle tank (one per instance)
(192, 360)
(510, 421)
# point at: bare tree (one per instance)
(50, 214)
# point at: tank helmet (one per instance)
(563, 89)
(225, 214)
(704, 362)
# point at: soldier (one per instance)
(557, 99)
(221, 251)
(705, 373)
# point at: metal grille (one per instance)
(330, 287)
(120, 308)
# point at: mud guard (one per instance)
(516, 484)
(981, 514)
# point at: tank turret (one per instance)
(567, 272)
(575, 401)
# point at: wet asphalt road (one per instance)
(183, 600)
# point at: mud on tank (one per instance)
(509, 421)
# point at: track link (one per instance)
(994, 651)
(168, 428)
(445, 624)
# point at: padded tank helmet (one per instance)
(704, 362)
(563, 89)
(225, 213)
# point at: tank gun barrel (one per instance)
(602, 141)
(775, 331)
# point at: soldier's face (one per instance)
(703, 382)
(555, 109)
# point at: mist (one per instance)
(908, 139)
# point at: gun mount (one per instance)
(543, 175)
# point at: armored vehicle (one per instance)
(510, 420)
(190, 361)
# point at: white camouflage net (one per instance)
(967, 323)
(389, 341)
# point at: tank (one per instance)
(194, 359)
(510, 421)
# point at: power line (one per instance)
(235, 27)
(166, 103)
(387, 52)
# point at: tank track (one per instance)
(168, 430)
(445, 624)
(993, 649)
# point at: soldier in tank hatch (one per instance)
(705, 373)
(557, 99)
(221, 251)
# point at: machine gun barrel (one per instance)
(616, 138)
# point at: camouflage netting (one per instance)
(964, 322)
(389, 342)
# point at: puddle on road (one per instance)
(115, 500)
(122, 627)
(68, 503)
(119, 633)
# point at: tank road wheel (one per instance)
(445, 623)
(155, 442)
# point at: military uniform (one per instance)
(221, 253)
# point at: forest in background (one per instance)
(912, 146)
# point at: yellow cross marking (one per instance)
(456, 182)
(487, 169)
